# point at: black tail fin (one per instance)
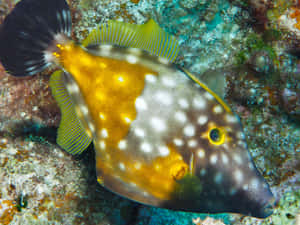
(28, 31)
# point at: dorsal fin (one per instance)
(213, 93)
(71, 135)
(148, 36)
(113, 32)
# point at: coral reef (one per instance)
(41, 184)
(26, 100)
(285, 213)
(155, 216)
(207, 221)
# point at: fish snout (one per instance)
(267, 204)
(262, 201)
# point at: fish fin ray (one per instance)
(71, 135)
(161, 43)
(149, 37)
(112, 32)
(28, 31)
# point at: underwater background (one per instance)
(251, 45)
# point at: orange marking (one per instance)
(158, 178)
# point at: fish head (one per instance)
(222, 176)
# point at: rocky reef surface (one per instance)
(251, 47)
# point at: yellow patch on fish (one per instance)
(157, 178)
(110, 88)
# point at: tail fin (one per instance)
(28, 31)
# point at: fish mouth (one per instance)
(269, 207)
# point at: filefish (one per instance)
(161, 136)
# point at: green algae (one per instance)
(255, 43)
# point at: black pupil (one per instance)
(215, 134)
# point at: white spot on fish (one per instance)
(201, 153)
(158, 124)
(178, 142)
(151, 78)
(192, 143)
(102, 145)
(202, 120)
(231, 118)
(84, 110)
(127, 120)
(202, 172)
(73, 88)
(91, 127)
(245, 187)
(132, 184)
(199, 102)
(217, 109)
(225, 145)
(122, 166)
(208, 96)
(213, 159)
(104, 133)
(232, 191)
(122, 145)
(237, 158)
(224, 158)
(146, 147)
(238, 175)
(164, 97)
(139, 132)
(250, 165)
(241, 143)
(140, 104)
(183, 103)
(180, 117)
(218, 178)
(240, 135)
(105, 48)
(163, 150)
(254, 183)
(168, 81)
(101, 116)
(137, 165)
(131, 59)
(189, 130)
(163, 60)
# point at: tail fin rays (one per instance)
(28, 31)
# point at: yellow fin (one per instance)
(114, 32)
(70, 135)
(155, 40)
(148, 36)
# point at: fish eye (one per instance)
(216, 136)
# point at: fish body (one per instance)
(161, 136)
